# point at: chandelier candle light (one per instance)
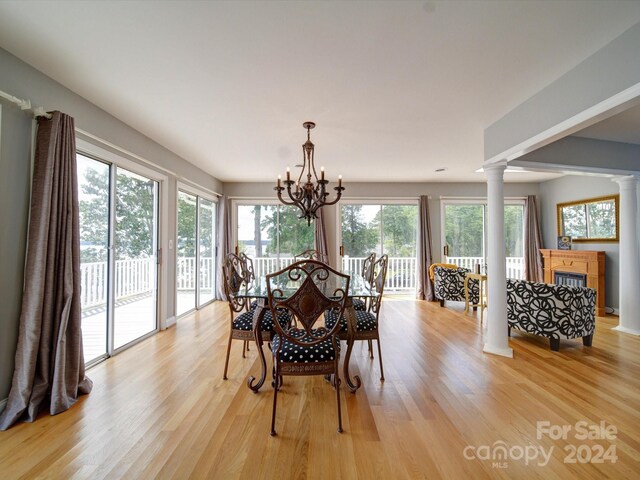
(310, 196)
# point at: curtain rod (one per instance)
(25, 105)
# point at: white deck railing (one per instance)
(136, 276)
(514, 265)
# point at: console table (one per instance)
(589, 263)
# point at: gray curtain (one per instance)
(425, 287)
(49, 362)
(320, 234)
(533, 270)
(224, 241)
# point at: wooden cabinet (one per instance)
(585, 262)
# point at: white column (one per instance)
(629, 309)
(497, 336)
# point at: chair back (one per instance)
(379, 278)
(248, 266)
(312, 255)
(235, 277)
(367, 268)
(306, 289)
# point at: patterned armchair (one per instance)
(553, 311)
(448, 284)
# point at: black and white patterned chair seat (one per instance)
(448, 284)
(365, 321)
(553, 311)
(359, 305)
(292, 353)
(244, 321)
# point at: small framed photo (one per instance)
(564, 243)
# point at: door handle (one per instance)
(446, 250)
(342, 250)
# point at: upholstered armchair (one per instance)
(448, 285)
(552, 311)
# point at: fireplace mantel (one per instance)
(586, 262)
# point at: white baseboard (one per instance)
(170, 322)
(3, 403)
(630, 331)
(503, 352)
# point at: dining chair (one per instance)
(305, 290)
(236, 278)
(367, 275)
(367, 322)
(312, 255)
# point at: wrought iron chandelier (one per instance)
(312, 195)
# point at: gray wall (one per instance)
(23, 81)
(391, 190)
(15, 144)
(577, 187)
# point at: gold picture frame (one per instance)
(590, 220)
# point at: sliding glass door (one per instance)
(195, 249)
(385, 229)
(271, 235)
(118, 256)
(464, 227)
(135, 249)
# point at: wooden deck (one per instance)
(162, 410)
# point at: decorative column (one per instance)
(629, 256)
(497, 336)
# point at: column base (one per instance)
(630, 331)
(503, 352)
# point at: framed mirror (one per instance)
(590, 220)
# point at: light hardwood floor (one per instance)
(162, 410)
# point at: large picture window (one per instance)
(464, 227)
(384, 229)
(271, 235)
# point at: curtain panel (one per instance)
(320, 234)
(425, 258)
(533, 268)
(224, 241)
(49, 361)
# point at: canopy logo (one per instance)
(499, 453)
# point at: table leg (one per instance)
(350, 315)
(258, 315)
(466, 294)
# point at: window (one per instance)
(385, 229)
(271, 235)
(464, 226)
(118, 255)
(195, 252)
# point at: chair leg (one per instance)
(370, 349)
(226, 361)
(244, 348)
(442, 303)
(275, 403)
(380, 358)
(337, 386)
(555, 344)
(587, 340)
(248, 343)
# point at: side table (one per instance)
(482, 279)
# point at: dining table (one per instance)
(257, 290)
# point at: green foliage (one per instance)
(288, 234)
(464, 230)
(186, 241)
(134, 209)
(94, 214)
(358, 237)
(399, 225)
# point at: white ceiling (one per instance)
(397, 89)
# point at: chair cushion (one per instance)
(365, 321)
(359, 304)
(292, 353)
(244, 321)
